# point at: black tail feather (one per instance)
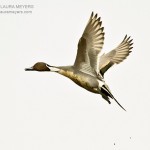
(108, 93)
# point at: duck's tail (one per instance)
(107, 93)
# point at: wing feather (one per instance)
(90, 45)
(116, 56)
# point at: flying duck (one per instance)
(89, 67)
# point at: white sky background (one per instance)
(43, 111)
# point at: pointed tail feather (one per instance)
(106, 91)
(119, 104)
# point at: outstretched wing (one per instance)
(89, 46)
(116, 56)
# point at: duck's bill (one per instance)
(29, 69)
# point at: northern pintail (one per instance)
(89, 67)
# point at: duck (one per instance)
(90, 66)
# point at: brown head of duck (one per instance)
(41, 66)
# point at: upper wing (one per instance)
(115, 56)
(89, 46)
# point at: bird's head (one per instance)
(39, 66)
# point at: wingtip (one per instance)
(125, 36)
(128, 39)
(92, 14)
(131, 41)
(95, 16)
(102, 28)
(99, 18)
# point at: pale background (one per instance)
(46, 111)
